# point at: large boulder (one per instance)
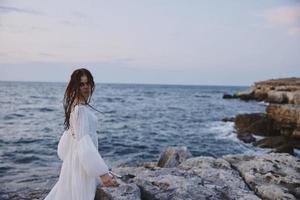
(173, 156)
(256, 123)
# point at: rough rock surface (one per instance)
(251, 177)
(271, 176)
(286, 118)
(125, 191)
(257, 123)
(280, 125)
(196, 178)
(262, 176)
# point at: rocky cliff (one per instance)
(280, 124)
(280, 91)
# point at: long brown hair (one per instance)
(73, 91)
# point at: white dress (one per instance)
(82, 164)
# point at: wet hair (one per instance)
(73, 91)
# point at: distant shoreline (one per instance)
(142, 84)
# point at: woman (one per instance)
(83, 167)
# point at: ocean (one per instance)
(138, 121)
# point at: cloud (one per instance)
(285, 16)
(78, 14)
(6, 9)
(294, 31)
(46, 54)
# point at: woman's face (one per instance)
(85, 87)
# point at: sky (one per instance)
(194, 42)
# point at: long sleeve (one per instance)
(63, 145)
(89, 156)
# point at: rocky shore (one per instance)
(177, 175)
(280, 124)
(281, 91)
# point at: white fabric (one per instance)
(82, 164)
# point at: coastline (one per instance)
(279, 125)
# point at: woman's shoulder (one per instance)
(78, 108)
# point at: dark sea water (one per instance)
(138, 122)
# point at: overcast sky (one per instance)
(201, 42)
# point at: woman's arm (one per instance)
(89, 156)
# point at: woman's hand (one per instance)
(108, 181)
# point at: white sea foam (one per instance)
(223, 130)
(297, 152)
(263, 103)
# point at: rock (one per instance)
(146, 164)
(271, 176)
(228, 119)
(285, 148)
(296, 98)
(256, 123)
(279, 119)
(263, 176)
(194, 178)
(271, 142)
(293, 97)
(219, 173)
(123, 192)
(277, 97)
(286, 118)
(282, 114)
(285, 90)
(259, 95)
(31, 195)
(246, 95)
(281, 144)
(173, 156)
(246, 137)
(229, 96)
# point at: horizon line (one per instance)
(120, 83)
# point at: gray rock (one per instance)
(265, 176)
(219, 174)
(173, 156)
(124, 191)
(195, 178)
(271, 176)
